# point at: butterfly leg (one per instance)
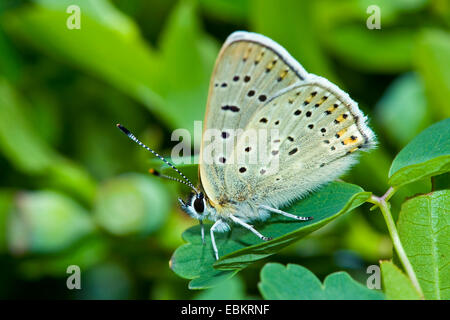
(286, 214)
(249, 227)
(182, 204)
(202, 231)
(213, 240)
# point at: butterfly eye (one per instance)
(199, 206)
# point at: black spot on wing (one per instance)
(230, 108)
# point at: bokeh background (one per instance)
(75, 191)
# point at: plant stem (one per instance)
(384, 206)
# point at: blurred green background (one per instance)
(75, 191)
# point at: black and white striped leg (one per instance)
(249, 227)
(213, 240)
(286, 214)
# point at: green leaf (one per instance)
(185, 77)
(195, 261)
(26, 151)
(109, 274)
(85, 254)
(6, 203)
(431, 58)
(70, 177)
(46, 222)
(124, 60)
(299, 36)
(365, 240)
(362, 48)
(295, 282)
(107, 59)
(402, 111)
(424, 229)
(397, 286)
(231, 289)
(226, 10)
(101, 10)
(239, 247)
(10, 61)
(131, 204)
(343, 31)
(441, 182)
(392, 8)
(29, 153)
(426, 155)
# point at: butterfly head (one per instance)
(195, 206)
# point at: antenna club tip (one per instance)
(123, 129)
(153, 172)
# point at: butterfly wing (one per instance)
(250, 70)
(314, 130)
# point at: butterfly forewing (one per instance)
(250, 70)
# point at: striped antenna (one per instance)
(152, 171)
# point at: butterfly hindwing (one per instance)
(313, 131)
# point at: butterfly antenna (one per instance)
(158, 174)
(152, 171)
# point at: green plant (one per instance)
(421, 241)
(298, 283)
(73, 190)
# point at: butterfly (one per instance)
(312, 132)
